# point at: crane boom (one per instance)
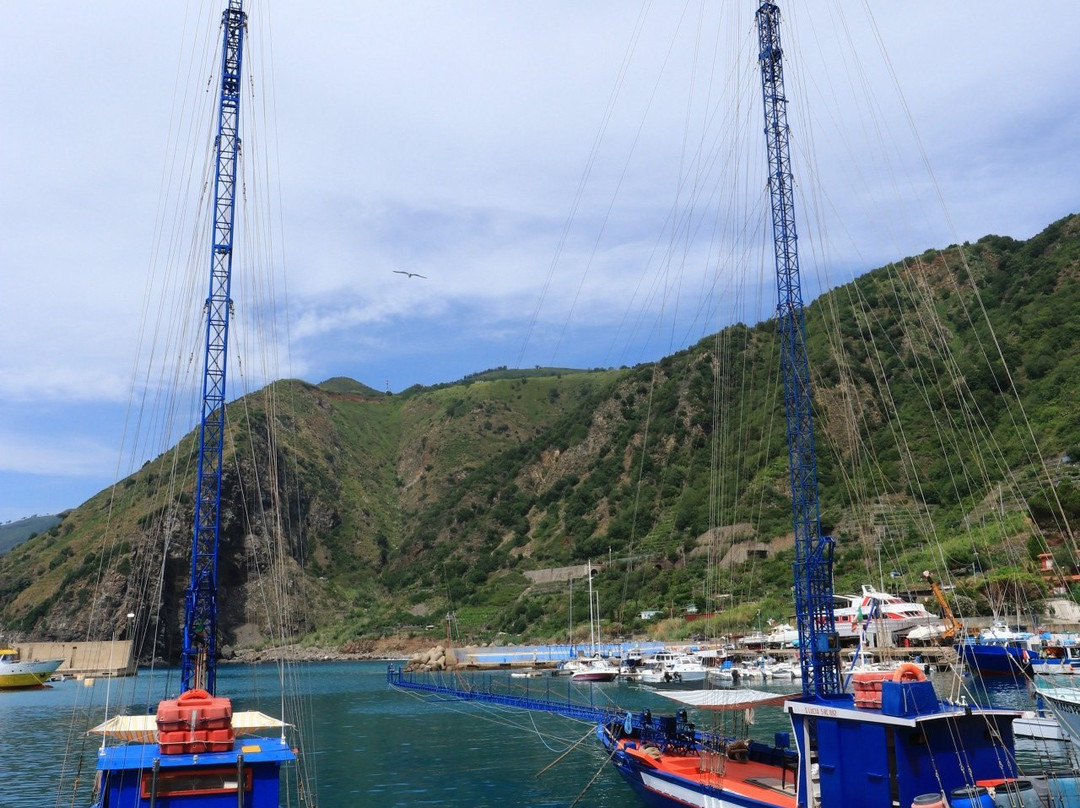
(199, 654)
(819, 648)
(953, 627)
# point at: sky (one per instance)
(557, 171)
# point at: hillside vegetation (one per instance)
(17, 531)
(944, 423)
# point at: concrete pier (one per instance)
(83, 659)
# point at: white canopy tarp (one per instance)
(143, 728)
(727, 699)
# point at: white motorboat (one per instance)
(724, 673)
(631, 665)
(784, 670)
(591, 669)
(753, 640)
(757, 670)
(926, 634)
(14, 673)
(666, 668)
(782, 636)
(1040, 725)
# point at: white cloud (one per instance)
(451, 140)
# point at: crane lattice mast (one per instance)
(819, 652)
(199, 655)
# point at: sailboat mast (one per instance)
(592, 618)
(819, 646)
(199, 655)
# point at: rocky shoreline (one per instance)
(390, 648)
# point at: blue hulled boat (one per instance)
(999, 651)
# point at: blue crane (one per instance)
(189, 753)
(198, 658)
(903, 747)
(819, 645)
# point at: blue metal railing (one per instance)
(485, 688)
(663, 731)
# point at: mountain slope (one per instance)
(383, 512)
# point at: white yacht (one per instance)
(15, 673)
(666, 668)
(782, 636)
(880, 614)
(591, 669)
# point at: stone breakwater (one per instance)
(434, 659)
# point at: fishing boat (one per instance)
(891, 742)
(999, 651)
(1055, 659)
(194, 749)
(16, 674)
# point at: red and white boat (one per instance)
(882, 615)
(592, 669)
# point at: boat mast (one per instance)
(592, 617)
(199, 655)
(819, 645)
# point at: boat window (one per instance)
(191, 783)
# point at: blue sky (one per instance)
(451, 139)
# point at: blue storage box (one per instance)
(908, 698)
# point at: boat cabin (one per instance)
(195, 748)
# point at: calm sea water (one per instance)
(366, 745)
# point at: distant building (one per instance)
(1057, 580)
(649, 614)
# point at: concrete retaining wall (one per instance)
(553, 574)
(110, 658)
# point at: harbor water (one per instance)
(368, 745)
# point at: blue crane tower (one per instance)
(818, 642)
(189, 753)
(199, 654)
(898, 744)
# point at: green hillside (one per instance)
(381, 513)
(16, 532)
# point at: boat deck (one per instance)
(755, 780)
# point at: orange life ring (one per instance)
(194, 694)
(908, 672)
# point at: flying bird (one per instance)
(410, 274)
